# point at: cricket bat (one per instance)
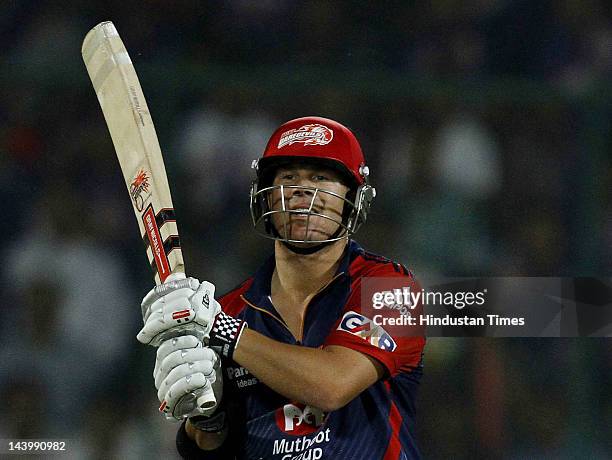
(131, 128)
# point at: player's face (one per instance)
(304, 226)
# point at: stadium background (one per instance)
(487, 128)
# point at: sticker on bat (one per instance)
(139, 190)
(157, 247)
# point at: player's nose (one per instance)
(302, 191)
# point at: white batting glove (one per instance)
(185, 369)
(183, 306)
(186, 306)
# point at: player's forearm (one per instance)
(310, 375)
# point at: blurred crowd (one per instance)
(486, 125)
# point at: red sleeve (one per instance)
(232, 302)
(363, 327)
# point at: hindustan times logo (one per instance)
(404, 300)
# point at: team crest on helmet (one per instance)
(314, 134)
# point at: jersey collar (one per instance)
(260, 289)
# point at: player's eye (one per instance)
(321, 177)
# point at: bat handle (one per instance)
(207, 399)
(202, 397)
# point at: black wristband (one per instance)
(225, 334)
(210, 424)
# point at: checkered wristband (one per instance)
(225, 334)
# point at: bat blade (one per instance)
(131, 128)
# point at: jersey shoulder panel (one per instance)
(231, 302)
(369, 264)
(356, 328)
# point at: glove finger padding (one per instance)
(206, 368)
(170, 346)
(180, 357)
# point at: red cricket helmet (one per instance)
(316, 138)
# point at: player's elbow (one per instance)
(333, 397)
(341, 379)
(327, 403)
(335, 403)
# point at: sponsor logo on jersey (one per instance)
(365, 328)
(301, 448)
(139, 190)
(314, 134)
(298, 419)
(242, 377)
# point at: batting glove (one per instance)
(186, 306)
(183, 370)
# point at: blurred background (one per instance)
(486, 125)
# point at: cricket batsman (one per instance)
(298, 369)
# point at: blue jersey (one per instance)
(377, 424)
